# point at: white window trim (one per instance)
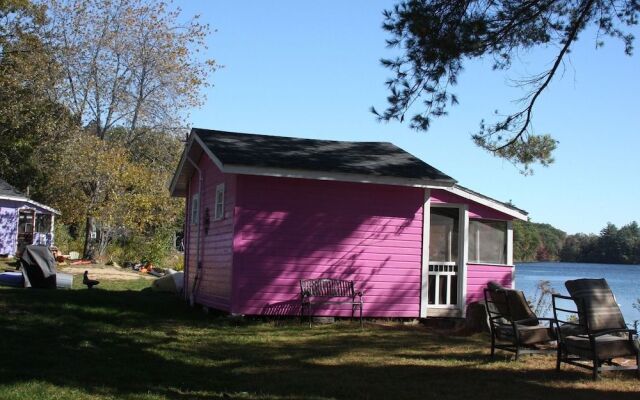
(508, 244)
(220, 189)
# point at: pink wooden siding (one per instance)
(476, 210)
(479, 275)
(292, 229)
(214, 286)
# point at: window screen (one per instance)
(443, 234)
(195, 209)
(488, 242)
(43, 223)
(219, 206)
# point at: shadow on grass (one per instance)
(141, 344)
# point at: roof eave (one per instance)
(489, 202)
(174, 189)
(336, 176)
(32, 202)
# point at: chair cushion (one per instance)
(511, 304)
(520, 307)
(571, 330)
(528, 334)
(596, 302)
(607, 346)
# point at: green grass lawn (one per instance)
(125, 341)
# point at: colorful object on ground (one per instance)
(13, 279)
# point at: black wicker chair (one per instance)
(514, 327)
(591, 330)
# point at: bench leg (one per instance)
(360, 315)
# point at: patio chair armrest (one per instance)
(360, 293)
(560, 296)
(610, 331)
(523, 321)
(552, 321)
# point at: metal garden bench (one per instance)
(329, 291)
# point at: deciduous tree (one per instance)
(129, 63)
(31, 120)
(99, 184)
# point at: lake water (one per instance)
(624, 280)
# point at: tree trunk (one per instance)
(89, 242)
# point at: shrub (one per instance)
(65, 241)
(156, 248)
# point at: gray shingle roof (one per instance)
(363, 158)
(9, 191)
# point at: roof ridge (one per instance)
(289, 137)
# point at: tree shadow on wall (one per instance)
(284, 240)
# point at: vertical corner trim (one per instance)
(510, 253)
(424, 284)
(464, 243)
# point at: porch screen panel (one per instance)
(443, 256)
(488, 242)
(443, 234)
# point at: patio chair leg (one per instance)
(638, 365)
(310, 315)
(517, 353)
(360, 315)
(353, 311)
(596, 367)
(493, 347)
(558, 358)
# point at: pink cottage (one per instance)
(263, 212)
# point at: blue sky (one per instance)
(311, 69)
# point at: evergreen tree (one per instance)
(435, 38)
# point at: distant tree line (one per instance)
(543, 242)
(537, 242)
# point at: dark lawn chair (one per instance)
(514, 327)
(593, 332)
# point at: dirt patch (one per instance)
(104, 272)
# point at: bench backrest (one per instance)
(326, 287)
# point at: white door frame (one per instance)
(463, 256)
